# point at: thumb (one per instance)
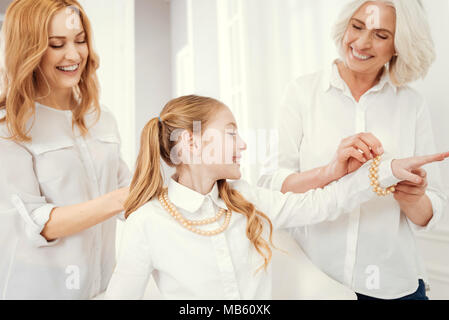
(410, 177)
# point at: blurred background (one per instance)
(245, 52)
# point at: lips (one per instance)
(69, 68)
(360, 55)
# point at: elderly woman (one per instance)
(383, 46)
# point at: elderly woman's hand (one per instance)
(409, 169)
(410, 193)
(353, 152)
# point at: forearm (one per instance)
(69, 220)
(302, 182)
(419, 213)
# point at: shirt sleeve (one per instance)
(19, 190)
(134, 265)
(318, 205)
(124, 175)
(124, 180)
(283, 159)
(425, 145)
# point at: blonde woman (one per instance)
(62, 179)
(383, 46)
(204, 237)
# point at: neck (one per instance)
(60, 99)
(195, 179)
(359, 83)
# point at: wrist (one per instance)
(113, 203)
(328, 174)
(409, 205)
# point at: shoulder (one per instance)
(104, 124)
(411, 98)
(145, 213)
(12, 153)
(308, 82)
(301, 90)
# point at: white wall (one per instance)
(153, 63)
(113, 32)
(435, 245)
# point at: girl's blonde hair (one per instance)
(413, 40)
(25, 41)
(155, 143)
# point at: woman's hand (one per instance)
(353, 152)
(408, 169)
(408, 193)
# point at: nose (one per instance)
(72, 53)
(364, 41)
(242, 144)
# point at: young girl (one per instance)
(62, 180)
(204, 237)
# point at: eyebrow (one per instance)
(361, 22)
(59, 37)
(232, 124)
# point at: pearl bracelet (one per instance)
(374, 169)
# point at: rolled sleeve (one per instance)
(20, 191)
(36, 213)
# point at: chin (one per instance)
(69, 84)
(233, 175)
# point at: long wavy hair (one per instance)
(155, 143)
(25, 41)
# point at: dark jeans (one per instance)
(420, 294)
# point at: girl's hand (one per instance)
(353, 152)
(408, 169)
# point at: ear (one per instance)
(190, 143)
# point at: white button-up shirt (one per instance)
(189, 266)
(58, 168)
(371, 249)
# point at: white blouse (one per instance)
(372, 248)
(189, 266)
(58, 168)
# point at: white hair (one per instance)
(413, 40)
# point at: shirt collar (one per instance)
(190, 200)
(332, 78)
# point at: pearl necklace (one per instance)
(374, 169)
(188, 224)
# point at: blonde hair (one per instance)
(25, 33)
(413, 40)
(155, 143)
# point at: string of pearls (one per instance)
(374, 176)
(190, 224)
